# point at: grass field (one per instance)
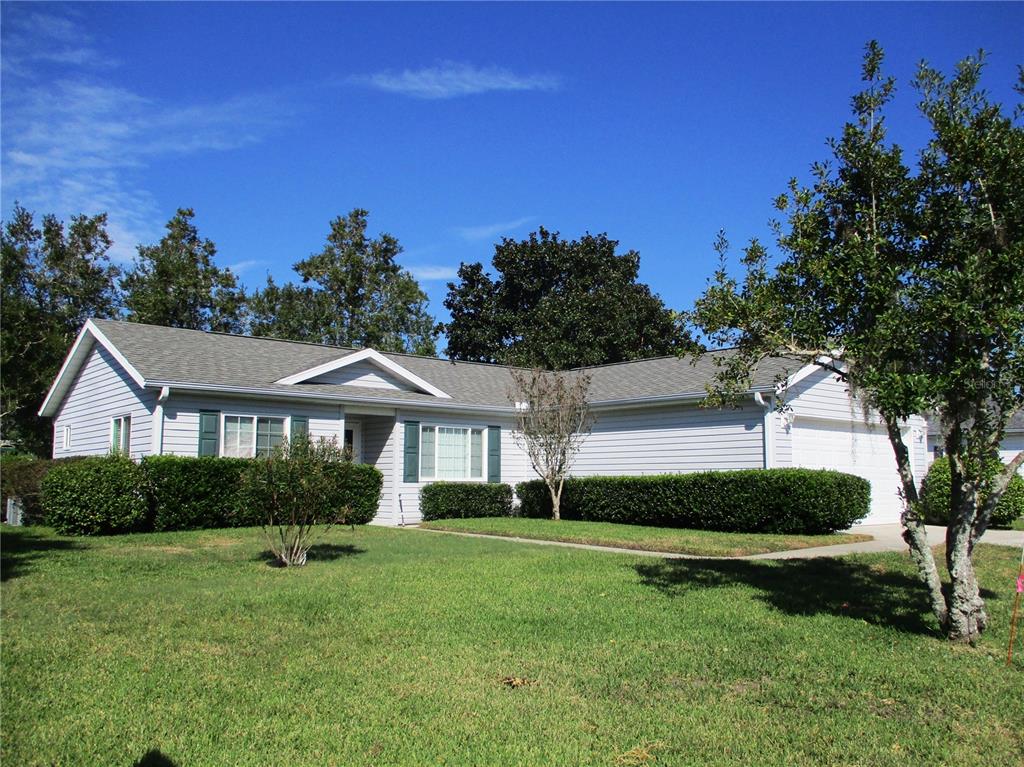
(405, 648)
(699, 542)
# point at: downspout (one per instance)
(767, 428)
(157, 447)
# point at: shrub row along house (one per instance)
(148, 390)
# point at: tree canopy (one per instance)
(54, 277)
(352, 293)
(557, 304)
(909, 286)
(177, 284)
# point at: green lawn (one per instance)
(402, 647)
(700, 542)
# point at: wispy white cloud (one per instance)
(488, 231)
(79, 143)
(41, 37)
(450, 79)
(243, 266)
(433, 273)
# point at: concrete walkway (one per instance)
(884, 538)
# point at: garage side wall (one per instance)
(675, 439)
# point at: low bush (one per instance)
(98, 495)
(935, 490)
(21, 477)
(192, 493)
(794, 501)
(301, 490)
(455, 500)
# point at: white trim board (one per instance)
(367, 355)
(75, 359)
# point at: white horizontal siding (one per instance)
(181, 418)
(822, 395)
(783, 441)
(674, 439)
(102, 390)
(364, 374)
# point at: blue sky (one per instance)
(453, 124)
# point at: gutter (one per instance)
(333, 398)
(767, 428)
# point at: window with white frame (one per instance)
(121, 434)
(451, 453)
(246, 436)
(67, 436)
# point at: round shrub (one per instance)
(935, 496)
(455, 500)
(95, 496)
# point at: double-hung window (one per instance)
(246, 436)
(451, 453)
(121, 434)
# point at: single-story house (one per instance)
(149, 390)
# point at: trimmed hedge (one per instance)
(192, 493)
(935, 490)
(95, 496)
(111, 494)
(456, 500)
(792, 501)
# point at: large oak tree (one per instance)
(557, 304)
(909, 286)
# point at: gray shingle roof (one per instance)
(176, 355)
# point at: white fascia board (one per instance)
(74, 360)
(370, 355)
(254, 391)
(807, 370)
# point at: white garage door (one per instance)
(854, 448)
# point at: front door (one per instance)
(354, 440)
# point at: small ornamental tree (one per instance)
(300, 490)
(552, 420)
(908, 286)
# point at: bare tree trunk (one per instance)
(556, 501)
(967, 617)
(914, 532)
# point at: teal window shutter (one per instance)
(209, 428)
(300, 427)
(494, 454)
(412, 452)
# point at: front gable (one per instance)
(366, 368)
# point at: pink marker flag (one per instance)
(1020, 584)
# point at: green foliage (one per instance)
(797, 501)
(452, 500)
(53, 278)
(204, 296)
(557, 304)
(20, 477)
(95, 496)
(191, 493)
(935, 492)
(353, 293)
(300, 486)
(360, 491)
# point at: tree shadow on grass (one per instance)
(155, 758)
(320, 552)
(874, 593)
(21, 548)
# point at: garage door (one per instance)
(854, 448)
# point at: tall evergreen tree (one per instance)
(176, 283)
(54, 278)
(353, 293)
(558, 304)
